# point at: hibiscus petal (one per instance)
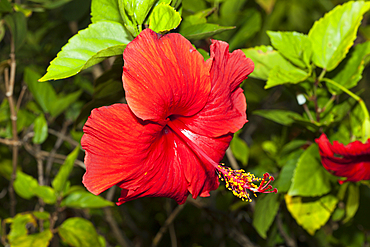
(225, 111)
(351, 161)
(164, 75)
(116, 143)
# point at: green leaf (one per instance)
(240, 150)
(84, 199)
(2, 30)
(296, 47)
(18, 27)
(41, 129)
(41, 239)
(138, 9)
(46, 193)
(164, 18)
(60, 179)
(265, 58)
(105, 10)
(351, 73)
(63, 102)
(18, 226)
(250, 27)
(283, 117)
(202, 31)
(90, 46)
(43, 93)
(335, 33)
(25, 185)
(79, 232)
(41, 215)
(5, 6)
(279, 76)
(310, 178)
(311, 215)
(284, 180)
(265, 211)
(353, 201)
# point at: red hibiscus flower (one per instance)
(351, 161)
(179, 119)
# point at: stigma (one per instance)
(240, 182)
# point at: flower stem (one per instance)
(365, 131)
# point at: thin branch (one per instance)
(10, 142)
(290, 242)
(58, 143)
(63, 137)
(19, 101)
(119, 235)
(171, 228)
(9, 84)
(164, 228)
(232, 160)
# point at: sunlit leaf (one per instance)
(311, 215)
(334, 34)
(164, 18)
(18, 226)
(90, 46)
(279, 76)
(295, 47)
(265, 58)
(79, 232)
(46, 193)
(41, 239)
(351, 73)
(105, 10)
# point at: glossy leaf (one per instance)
(310, 178)
(60, 179)
(279, 76)
(90, 46)
(351, 73)
(202, 31)
(283, 117)
(353, 201)
(284, 180)
(18, 27)
(105, 10)
(311, 215)
(84, 199)
(334, 34)
(295, 47)
(164, 18)
(79, 232)
(41, 129)
(265, 212)
(138, 9)
(265, 58)
(240, 150)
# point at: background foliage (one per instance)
(291, 100)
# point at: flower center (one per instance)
(238, 181)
